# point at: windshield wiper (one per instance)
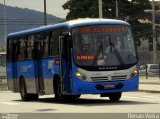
(113, 48)
(100, 50)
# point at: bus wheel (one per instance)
(58, 94)
(115, 96)
(71, 98)
(34, 96)
(76, 96)
(23, 91)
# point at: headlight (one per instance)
(80, 75)
(134, 73)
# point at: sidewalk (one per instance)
(152, 84)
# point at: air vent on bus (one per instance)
(97, 79)
(118, 77)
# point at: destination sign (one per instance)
(85, 57)
(107, 29)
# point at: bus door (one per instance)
(65, 64)
(38, 65)
(15, 55)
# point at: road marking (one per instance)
(9, 103)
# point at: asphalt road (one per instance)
(134, 102)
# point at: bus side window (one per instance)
(9, 50)
(22, 51)
(53, 43)
(38, 45)
(26, 42)
(45, 45)
(14, 49)
(30, 46)
(18, 56)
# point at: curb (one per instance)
(149, 91)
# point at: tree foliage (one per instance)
(129, 10)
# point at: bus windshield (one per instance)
(103, 45)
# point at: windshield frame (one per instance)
(122, 66)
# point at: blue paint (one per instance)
(81, 87)
(28, 68)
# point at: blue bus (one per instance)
(83, 56)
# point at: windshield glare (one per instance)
(105, 45)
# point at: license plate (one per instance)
(109, 86)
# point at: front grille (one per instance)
(109, 78)
(118, 77)
(97, 79)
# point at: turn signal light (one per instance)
(57, 61)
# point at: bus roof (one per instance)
(69, 24)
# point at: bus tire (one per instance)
(71, 98)
(23, 90)
(114, 97)
(76, 96)
(33, 96)
(58, 94)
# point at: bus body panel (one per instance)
(26, 70)
(71, 84)
(49, 70)
(10, 76)
(91, 87)
(81, 87)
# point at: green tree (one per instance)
(89, 8)
(81, 8)
(129, 10)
